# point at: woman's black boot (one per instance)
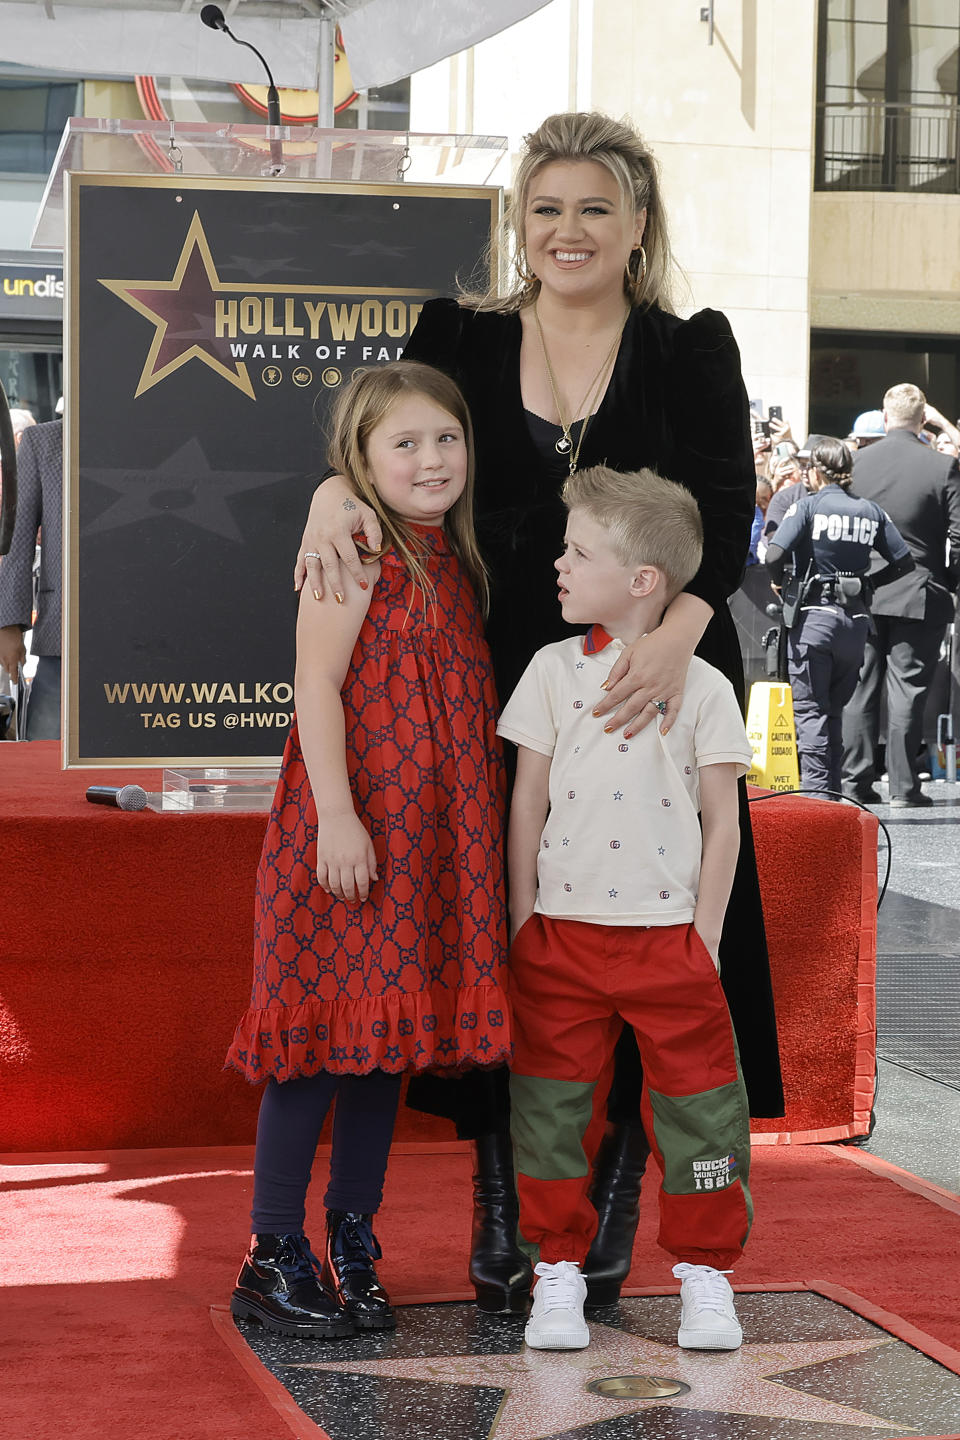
(499, 1271)
(615, 1195)
(349, 1273)
(279, 1285)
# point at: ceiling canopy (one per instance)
(384, 39)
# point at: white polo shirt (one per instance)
(621, 844)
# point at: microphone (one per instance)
(121, 797)
(213, 17)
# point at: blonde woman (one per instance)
(583, 360)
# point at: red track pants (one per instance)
(571, 985)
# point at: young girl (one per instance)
(380, 934)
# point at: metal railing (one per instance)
(874, 145)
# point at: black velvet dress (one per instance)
(676, 403)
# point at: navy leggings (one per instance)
(291, 1117)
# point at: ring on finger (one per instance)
(660, 705)
(311, 554)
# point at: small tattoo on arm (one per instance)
(349, 505)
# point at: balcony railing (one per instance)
(873, 145)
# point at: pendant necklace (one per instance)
(564, 445)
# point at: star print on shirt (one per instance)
(618, 794)
(613, 894)
(661, 851)
(565, 840)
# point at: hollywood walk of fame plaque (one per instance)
(809, 1369)
(211, 323)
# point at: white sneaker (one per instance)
(556, 1319)
(708, 1320)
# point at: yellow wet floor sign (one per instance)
(773, 737)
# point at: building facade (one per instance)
(809, 154)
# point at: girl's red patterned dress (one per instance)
(414, 978)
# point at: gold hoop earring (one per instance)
(525, 275)
(643, 267)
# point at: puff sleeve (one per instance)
(437, 336)
(713, 454)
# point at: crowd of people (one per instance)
(862, 539)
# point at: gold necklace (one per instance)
(565, 445)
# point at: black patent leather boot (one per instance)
(348, 1270)
(499, 1271)
(279, 1286)
(615, 1195)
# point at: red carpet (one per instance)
(112, 1262)
(125, 962)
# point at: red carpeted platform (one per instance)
(125, 952)
(114, 1260)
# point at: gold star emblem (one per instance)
(183, 310)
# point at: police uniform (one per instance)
(830, 535)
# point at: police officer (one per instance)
(830, 535)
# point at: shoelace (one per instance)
(710, 1286)
(296, 1259)
(355, 1244)
(558, 1284)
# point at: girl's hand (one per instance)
(336, 515)
(346, 862)
(653, 668)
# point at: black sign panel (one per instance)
(29, 291)
(210, 324)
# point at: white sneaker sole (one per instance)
(710, 1339)
(577, 1337)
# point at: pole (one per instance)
(326, 60)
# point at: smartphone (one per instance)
(775, 412)
(760, 427)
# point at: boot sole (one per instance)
(330, 1330)
(493, 1301)
(602, 1294)
(379, 1322)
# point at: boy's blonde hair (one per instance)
(358, 410)
(651, 521)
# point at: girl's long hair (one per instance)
(358, 409)
(587, 135)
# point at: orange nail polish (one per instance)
(338, 597)
(316, 594)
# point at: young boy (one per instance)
(616, 908)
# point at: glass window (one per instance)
(32, 378)
(851, 371)
(33, 113)
(888, 80)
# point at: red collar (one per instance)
(596, 639)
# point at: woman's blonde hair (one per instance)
(357, 411)
(588, 135)
(649, 520)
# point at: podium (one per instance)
(223, 283)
